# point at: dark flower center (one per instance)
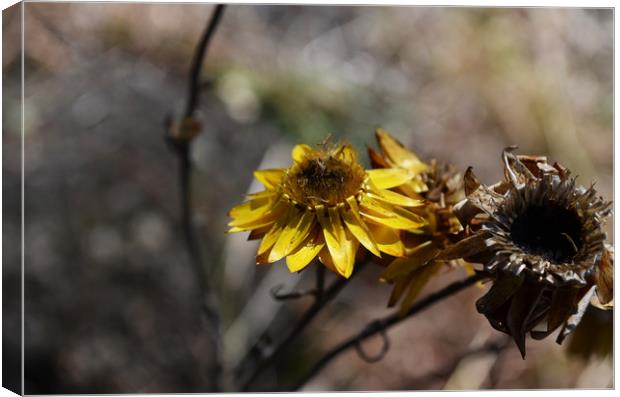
(550, 231)
(325, 180)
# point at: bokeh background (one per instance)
(111, 304)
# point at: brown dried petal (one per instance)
(465, 248)
(470, 181)
(502, 290)
(377, 160)
(487, 200)
(604, 277)
(562, 305)
(522, 307)
(575, 318)
(514, 170)
(536, 164)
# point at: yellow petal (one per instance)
(387, 239)
(300, 152)
(347, 154)
(356, 226)
(385, 178)
(263, 194)
(397, 153)
(413, 187)
(326, 259)
(397, 199)
(274, 233)
(260, 218)
(414, 260)
(400, 286)
(252, 207)
(256, 234)
(418, 281)
(306, 252)
(295, 231)
(270, 178)
(392, 216)
(337, 243)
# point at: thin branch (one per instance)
(322, 297)
(181, 146)
(277, 294)
(320, 282)
(198, 60)
(381, 325)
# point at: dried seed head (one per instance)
(539, 236)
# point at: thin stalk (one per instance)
(319, 303)
(183, 151)
(198, 60)
(381, 325)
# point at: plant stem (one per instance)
(385, 323)
(320, 301)
(198, 60)
(183, 151)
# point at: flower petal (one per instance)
(296, 230)
(252, 209)
(260, 218)
(605, 278)
(575, 318)
(326, 259)
(385, 178)
(274, 233)
(391, 197)
(387, 239)
(347, 154)
(271, 178)
(522, 306)
(400, 287)
(419, 280)
(502, 290)
(300, 152)
(414, 260)
(465, 248)
(392, 216)
(305, 253)
(482, 197)
(514, 170)
(397, 152)
(340, 245)
(358, 228)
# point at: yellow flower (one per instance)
(325, 204)
(441, 186)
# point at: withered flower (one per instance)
(440, 185)
(539, 237)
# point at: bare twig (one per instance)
(198, 60)
(322, 297)
(277, 294)
(381, 325)
(181, 145)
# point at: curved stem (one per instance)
(322, 297)
(383, 324)
(198, 60)
(182, 149)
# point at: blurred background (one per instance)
(111, 304)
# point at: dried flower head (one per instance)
(539, 237)
(325, 204)
(437, 183)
